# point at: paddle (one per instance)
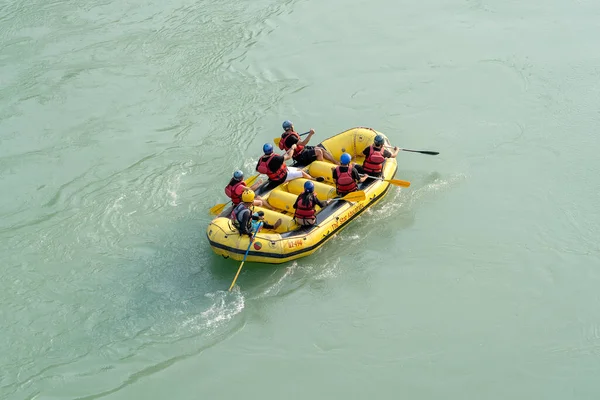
(278, 139)
(218, 209)
(431, 153)
(353, 196)
(396, 182)
(245, 255)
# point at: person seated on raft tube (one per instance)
(260, 217)
(236, 187)
(375, 155)
(305, 205)
(346, 177)
(242, 215)
(303, 154)
(273, 165)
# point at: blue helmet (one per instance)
(378, 140)
(309, 186)
(238, 175)
(287, 124)
(345, 159)
(267, 148)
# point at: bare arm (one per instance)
(256, 185)
(305, 141)
(288, 154)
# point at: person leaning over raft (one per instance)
(303, 154)
(305, 205)
(274, 166)
(237, 186)
(242, 215)
(375, 155)
(346, 178)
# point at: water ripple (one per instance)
(150, 116)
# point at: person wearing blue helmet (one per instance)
(236, 187)
(375, 156)
(305, 204)
(303, 154)
(346, 177)
(273, 165)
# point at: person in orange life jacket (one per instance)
(303, 154)
(274, 166)
(375, 155)
(236, 187)
(242, 215)
(305, 205)
(346, 177)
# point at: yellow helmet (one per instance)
(248, 196)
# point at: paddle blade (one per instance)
(251, 180)
(431, 153)
(237, 274)
(218, 209)
(276, 141)
(398, 182)
(355, 196)
(246, 255)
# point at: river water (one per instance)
(121, 122)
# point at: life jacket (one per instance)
(283, 146)
(263, 168)
(345, 183)
(374, 162)
(234, 192)
(238, 212)
(305, 210)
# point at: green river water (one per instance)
(122, 121)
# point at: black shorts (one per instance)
(361, 171)
(307, 156)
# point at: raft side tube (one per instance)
(282, 200)
(322, 190)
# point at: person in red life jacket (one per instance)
(375, 156)
(305, 205)
(303, 154)
(273, 165)
(346, 177)
(236, 187)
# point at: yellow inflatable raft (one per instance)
(290, 240)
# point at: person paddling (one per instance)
(303, 154)
(346, 177)
(375, 156)
(236, 187)
(242, 215)
(305, 204)
(273, 165)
